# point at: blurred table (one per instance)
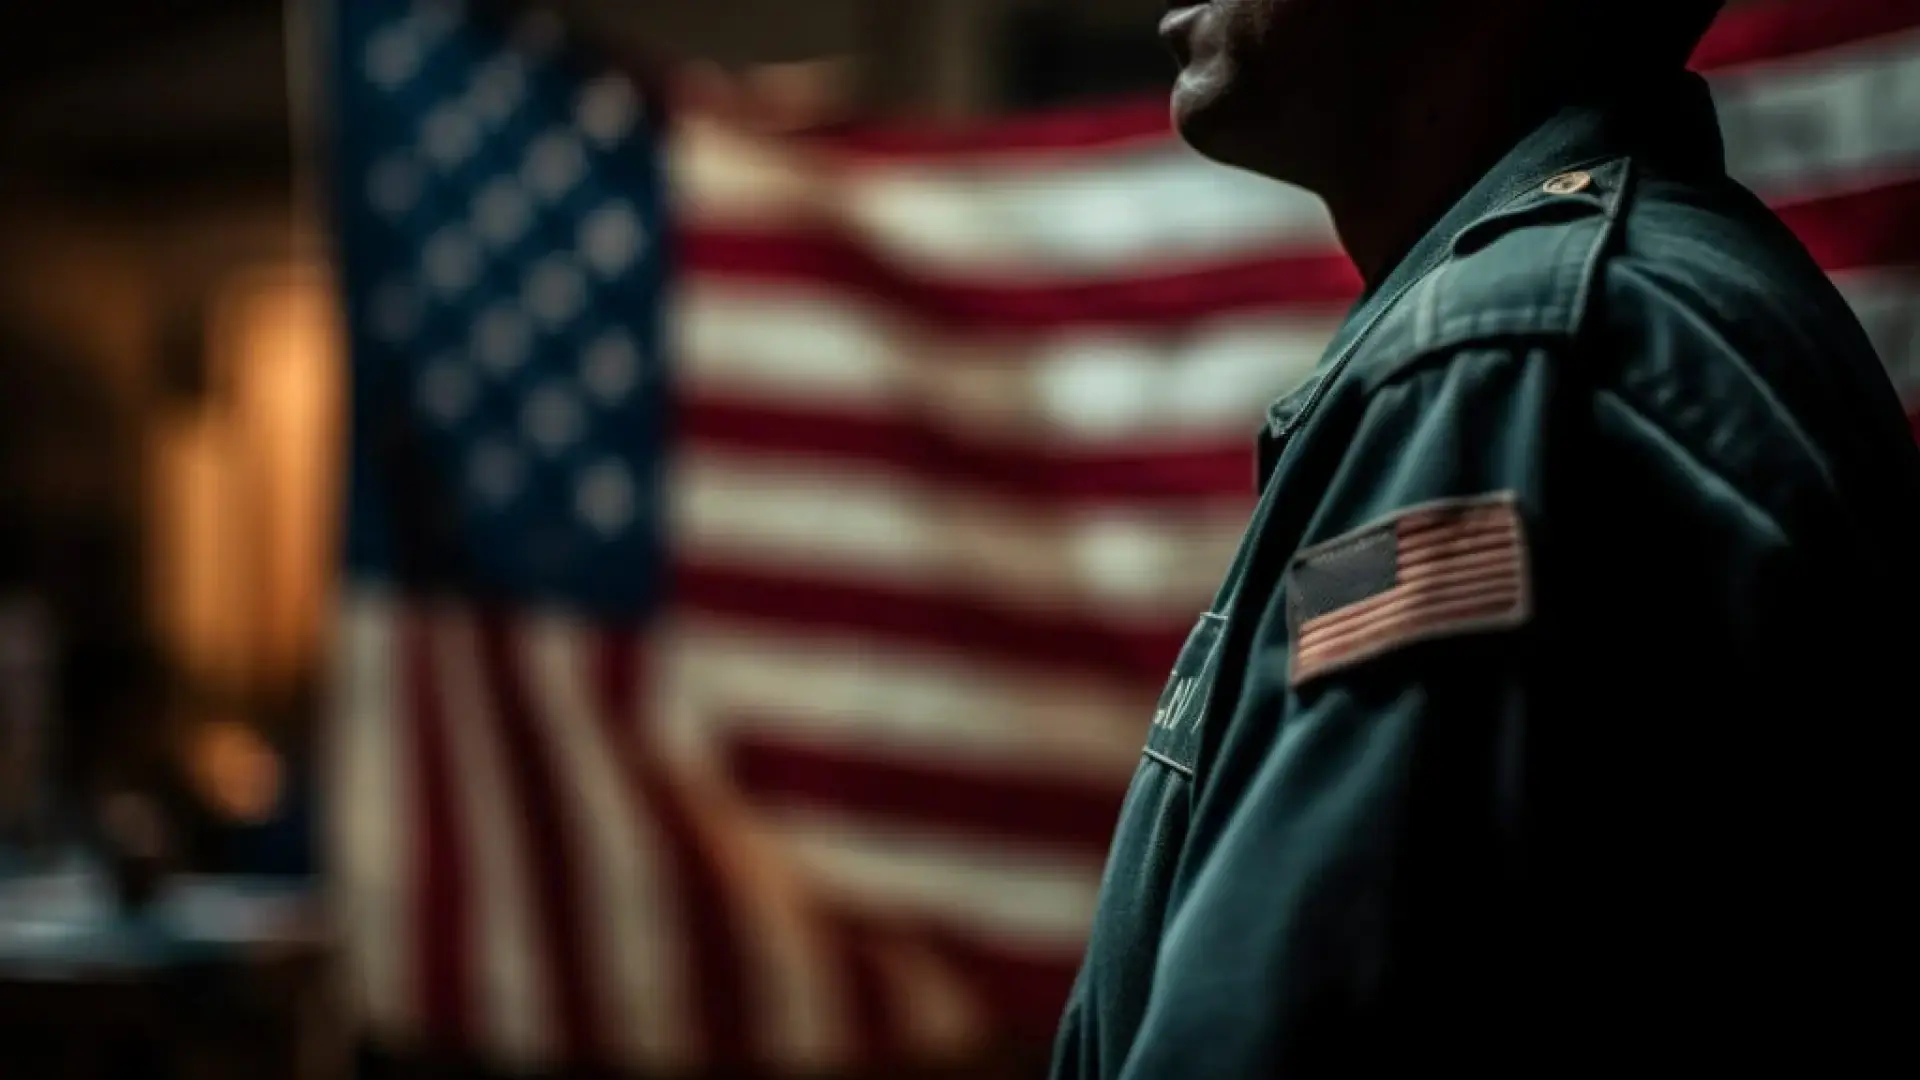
(220, 978)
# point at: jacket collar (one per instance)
(1668, 120)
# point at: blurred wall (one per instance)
(70, 474)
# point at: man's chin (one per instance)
(1220, 125)
(1189, 100)
(1198, 115)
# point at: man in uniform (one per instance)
(1543, 722)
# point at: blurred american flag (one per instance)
(752, 613)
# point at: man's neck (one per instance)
(1421, 160)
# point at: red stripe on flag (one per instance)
(716, 967)
(1761, 30)
(946, 621)
(1025, 988)
(441, 918)
(1875, 227)
(549, 836)
(874, 1026)
(1000, 804)
(967, 306)
(1057, 476)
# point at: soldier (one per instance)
(1539, 723)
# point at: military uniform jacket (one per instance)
(1545, 716)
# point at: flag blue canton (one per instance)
(500, 208)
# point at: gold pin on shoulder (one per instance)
(1569, 183)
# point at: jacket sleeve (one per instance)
(1350, 893)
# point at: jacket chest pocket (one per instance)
(1173, 737)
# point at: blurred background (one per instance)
(638, 537)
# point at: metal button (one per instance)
(1571, 183)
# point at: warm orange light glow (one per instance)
(283, 332)
(235, 772)
(247, 487)
(200, 548)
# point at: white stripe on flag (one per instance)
(1062, 217)
(633, 939)
(1045, 217)
(793, 344)
(370, 814)
(871, 526)
(1888, 305)
(516, 1002)
(883, 697)
(1829, 121)
(1020, 897)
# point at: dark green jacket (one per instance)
(1546, 718)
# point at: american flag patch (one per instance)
(1437, 570)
